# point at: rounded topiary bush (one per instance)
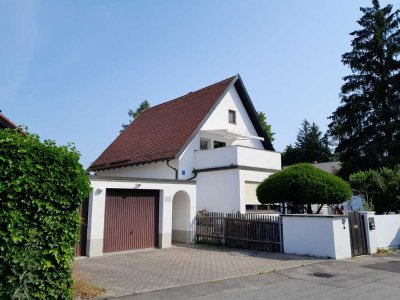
(41, 188)
(303, 184)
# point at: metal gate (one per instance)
(131, 219)
(357, 234)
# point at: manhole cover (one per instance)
(322, 275)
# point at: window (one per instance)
(232, 116)
(203, 144)
(219, 144)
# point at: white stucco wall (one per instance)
(168, 190)
(180, 211)
(386, 233)
(186, 160)
(219, 191)
(321, 236)
(219, 119)
(158, 170)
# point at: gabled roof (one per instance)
(163, 132)
(6, 123)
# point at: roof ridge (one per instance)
(194, 92)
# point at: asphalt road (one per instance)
(368, 277)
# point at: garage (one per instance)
(130, 219)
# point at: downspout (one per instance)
(176, 170)
(195, 175)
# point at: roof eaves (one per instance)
(251, 111)
(6, 122)
(109, 166)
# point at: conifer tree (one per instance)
(366, 125)
(310, 146)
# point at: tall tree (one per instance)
(267, 127)
(310, 146)
(367, 123)
(133, 114)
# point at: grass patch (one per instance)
(83, 288)
(384, 251)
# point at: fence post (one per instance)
(223, 230)
(280, 234)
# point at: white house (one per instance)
(204, 150)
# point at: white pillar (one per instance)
(165, 220)
(95, 222)
(370, 234)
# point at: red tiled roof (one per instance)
(6, 123)
(160, 132)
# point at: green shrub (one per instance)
(303, 184)
(41, 188)
(380, 189)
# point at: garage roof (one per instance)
(5, 122)
(162, 132)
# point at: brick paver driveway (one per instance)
(129, 273)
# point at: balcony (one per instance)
(237, 156)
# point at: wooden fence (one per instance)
(255, 232)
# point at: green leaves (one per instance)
(311, 146)
(381, 188)
(41, 188)
(303, 184)
(367, 123)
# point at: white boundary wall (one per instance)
(317, 235)
(386, 233)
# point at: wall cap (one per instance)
(316, 216)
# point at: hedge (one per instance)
(303, 184)
(41, 188)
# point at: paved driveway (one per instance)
(147, 270)
(364, 278)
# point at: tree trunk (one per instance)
(319, 208)
(309, 209)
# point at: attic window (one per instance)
(232, 116)
(203, 144)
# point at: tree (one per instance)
(367, 123)
(267, 128)
(303, 184)
(135, 113)
(311, 146)
(381, 188)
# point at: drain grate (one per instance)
(322, 275)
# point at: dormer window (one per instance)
(232, 116)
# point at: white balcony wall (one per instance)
(258, 158)
(237, 155)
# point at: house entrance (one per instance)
(181, 232)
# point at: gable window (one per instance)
(232, 116)
(219, 144)
(203, 144)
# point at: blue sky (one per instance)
(70, 70)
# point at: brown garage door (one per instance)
(131, 219)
